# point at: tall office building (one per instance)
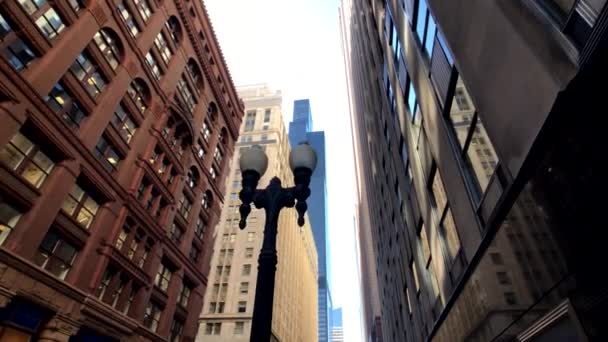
(337, 330)
(476, 130)
(229, 301)
(300, 129)
(116, 120)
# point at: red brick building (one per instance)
(117, 122)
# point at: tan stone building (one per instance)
(229, 300)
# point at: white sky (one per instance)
(295, 47)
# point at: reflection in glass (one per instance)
(470, 133)
(518, 280)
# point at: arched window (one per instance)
(212, 111)
(195, 73)
(109, 44)
(174, 29)
(193, 177)
(140, 94)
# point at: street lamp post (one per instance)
(253, 163)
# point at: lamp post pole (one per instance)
(272, 200)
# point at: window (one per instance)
(250, 236)
(217, 155)
(212, 173)
(239, 328)
(200, 228)
(414, 271)
(163, 47)
(264, 137)
(212, 306)
(185, 95)
(220, 305)
(409, 300)
(195, 73)
(107, 154)
(80, 206)
(25, 158)
(429, 36)
(122, 237)
(450, 235)
(184, 206)
(163, 277)
(153, 64)
(213, 328)
(232, 238)
(130, 299)
(85, 70)
(144, 256)
(176, 233)
(248, 252)
(108, 47)
(174, 29)
(55, 255)
(206, 131)
(439, 196)
(152, 316)
(421, 17)
(9, 216)
(124, 123)
(194, 254)
(138, 92)
(246, 270)
(18, 53)
(63, 103)
(184, 295)
(128, 19)
(105, 282)
(133, 247)
(503, 278)
(143, 8)
(244, 289)
(461, 99)
(510, 298)
(49, 23)
(242, 306)
(250, 121)
(424, 241)
(267, 115)
(117, 291)
(176, 330)
(200, 150)
(469, 132)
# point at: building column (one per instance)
(59, 329)
(98, 120)
(33, 225)
(13, 116)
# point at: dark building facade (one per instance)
(117, 119)
(300, 129)
(478, 142)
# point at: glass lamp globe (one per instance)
(303, 156)
(254, 159)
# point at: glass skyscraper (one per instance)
(300, 129)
